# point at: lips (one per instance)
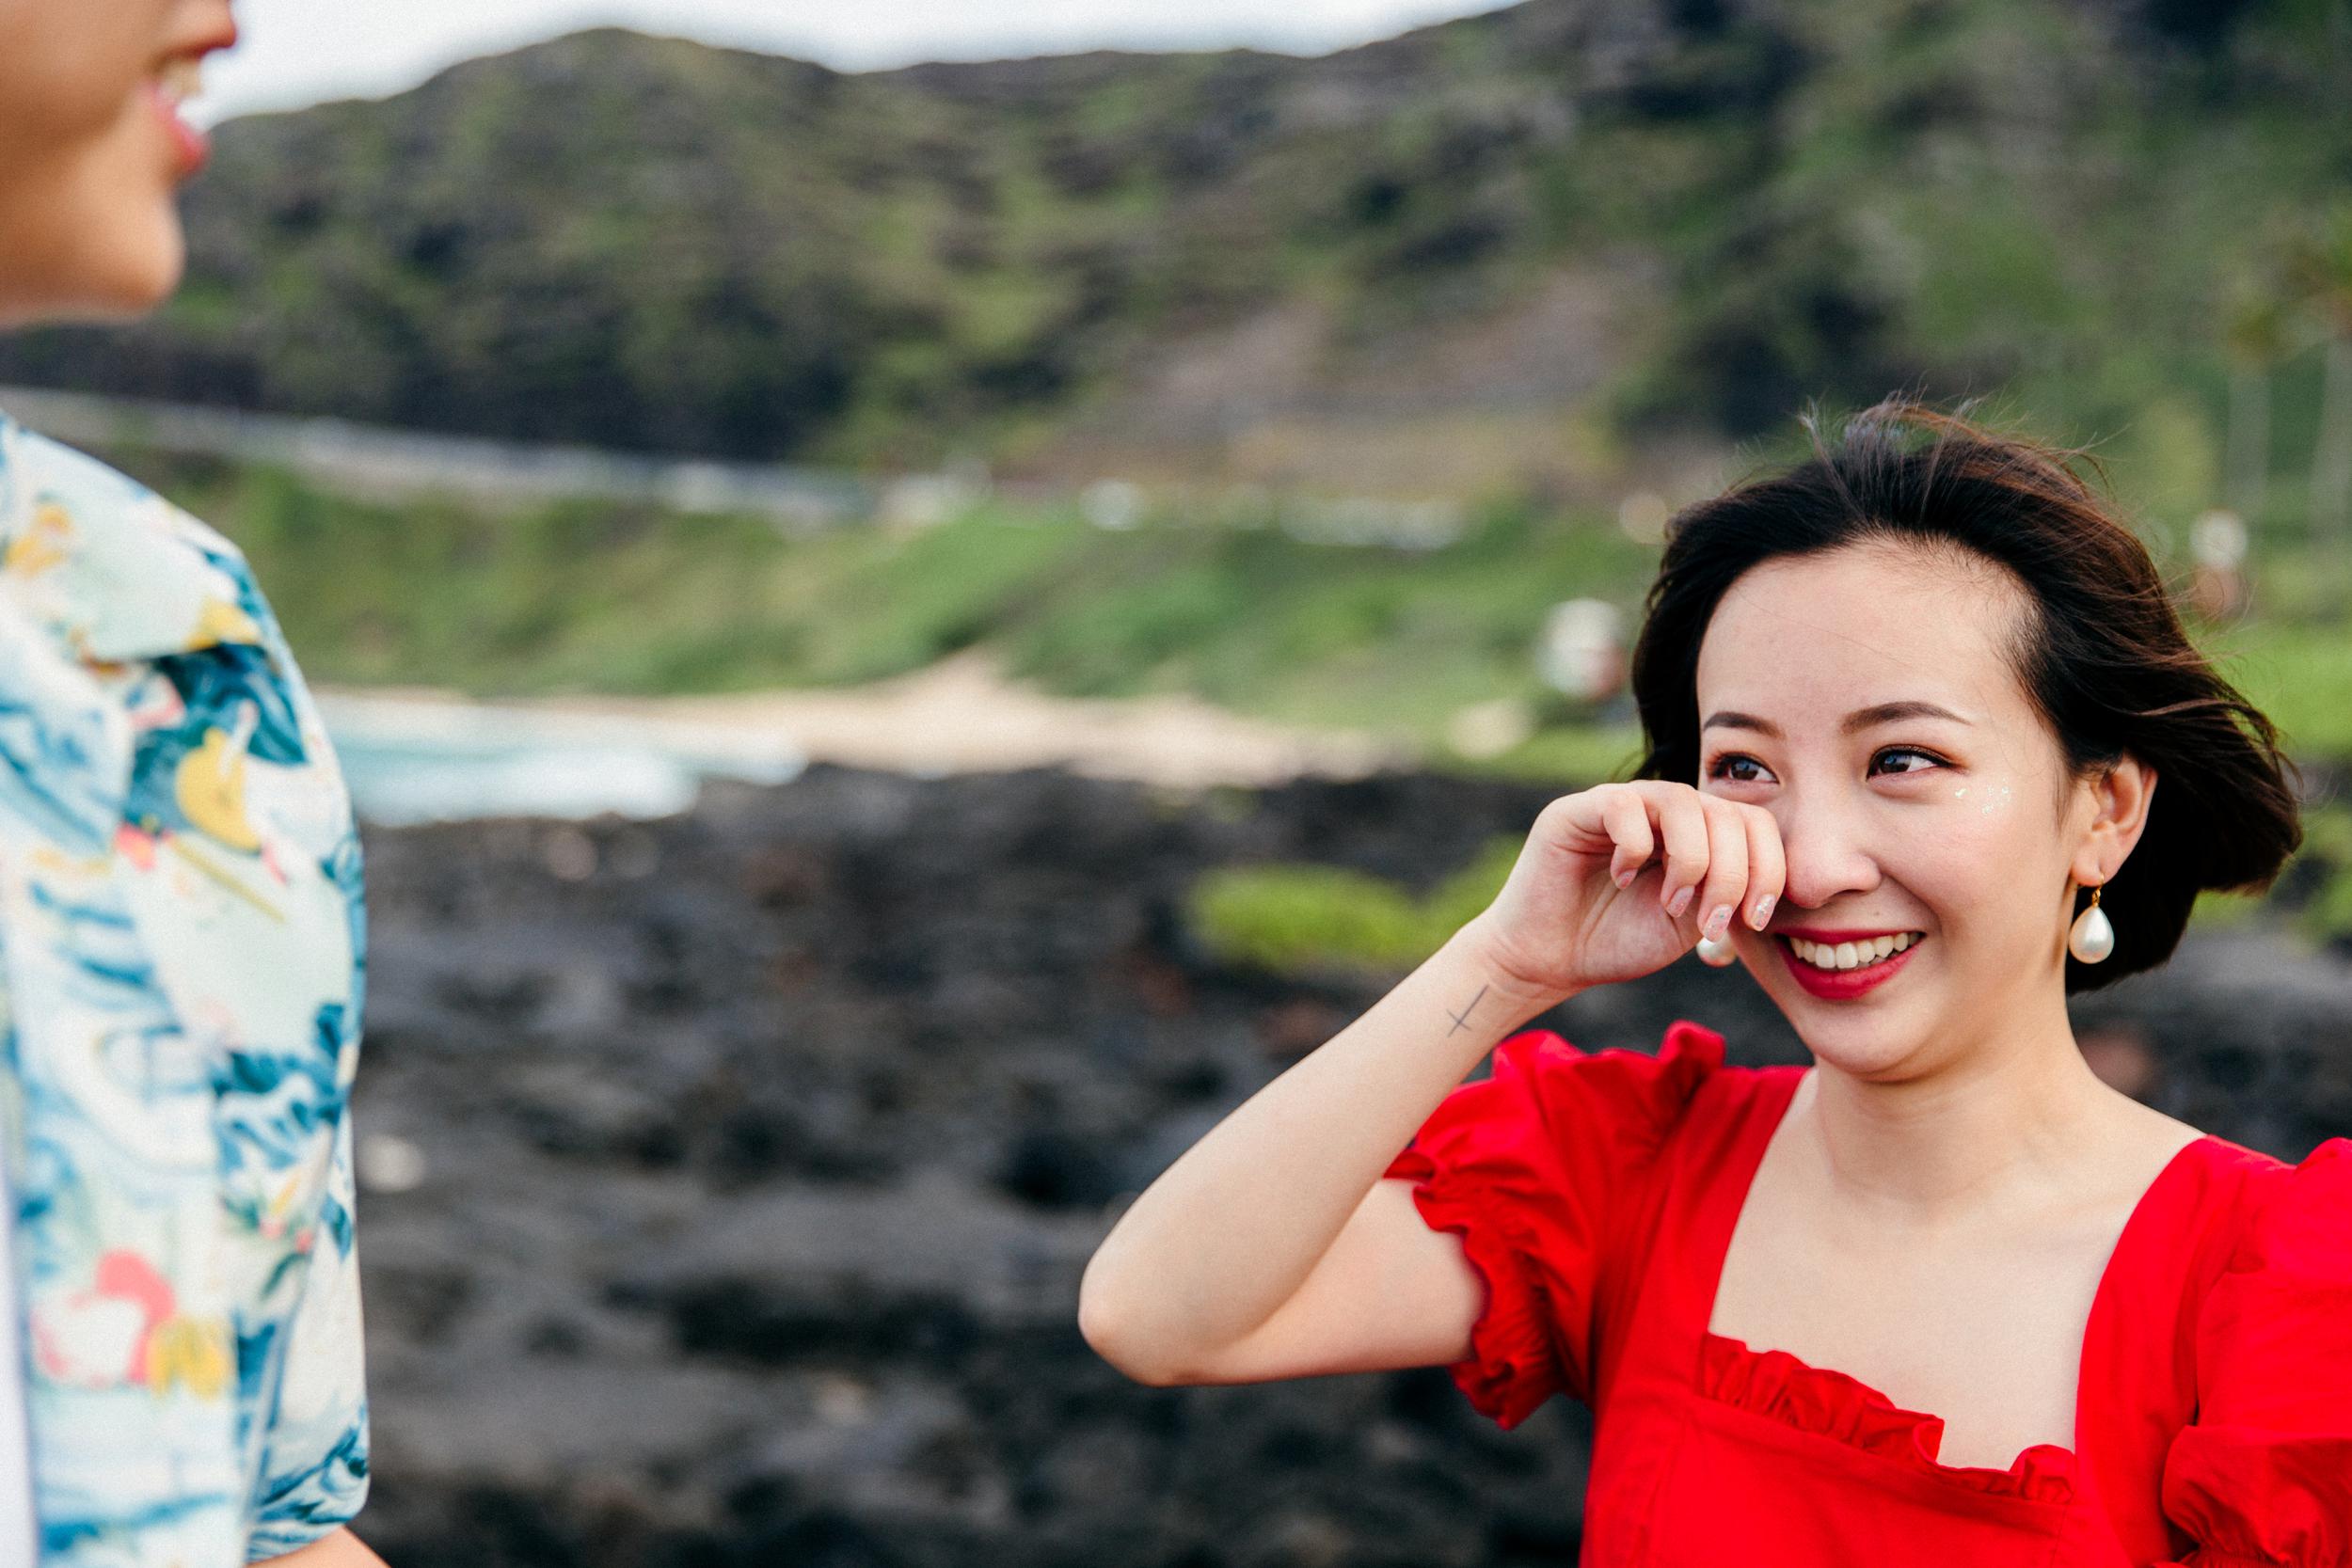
(190, 147)
(178, 80)
(1838, 985)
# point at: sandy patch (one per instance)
(959, 716)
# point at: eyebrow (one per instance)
(1859, 720)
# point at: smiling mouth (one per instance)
(176, 81)
(1832, 958)
(180, 80)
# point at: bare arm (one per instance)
(1272, 1247)
(341, 1549)
(1189, 1286)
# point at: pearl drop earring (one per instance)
(2092, 937)
(1717, 954)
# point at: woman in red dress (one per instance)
(1928, 751)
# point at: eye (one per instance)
(1721, 767)
(1910, 752)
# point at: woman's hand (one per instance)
(1621, 879)
(1261, 1254)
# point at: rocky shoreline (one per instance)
(729, 1176)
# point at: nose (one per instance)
(211, 25)
(1826, 849)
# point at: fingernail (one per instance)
(1625, 878)
(1680, 901)
(1763, 911)
(1719, 921)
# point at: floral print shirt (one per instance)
(182, 942)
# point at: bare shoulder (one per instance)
(2146, 1141)
(2163, 1136)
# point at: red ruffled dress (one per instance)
(1596, 1193)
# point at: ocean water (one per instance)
(410, 761)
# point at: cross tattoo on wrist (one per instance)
(1461, 1020)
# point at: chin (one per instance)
(140, 271)
(124, 280)
(1865, 1048)
(1874, 1063)
(99, 240)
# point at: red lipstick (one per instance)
(192, 147)
(176, 81)
(1841, 985)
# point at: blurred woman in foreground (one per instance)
(180, 926)
(1929, 752)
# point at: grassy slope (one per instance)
(591, 598)
(718, 251)
(605, 599)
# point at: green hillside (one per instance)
(1562, 229)
(607, 598)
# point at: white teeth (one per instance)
(1852, 955)
(182, 78)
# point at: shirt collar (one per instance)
(116, 571)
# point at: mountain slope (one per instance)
(1609, 216)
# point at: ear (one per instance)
(2120, 797)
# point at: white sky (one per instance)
(299, 52)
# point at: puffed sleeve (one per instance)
(2263, 1477)
(1530, 1166)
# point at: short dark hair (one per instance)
(2102, 658)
